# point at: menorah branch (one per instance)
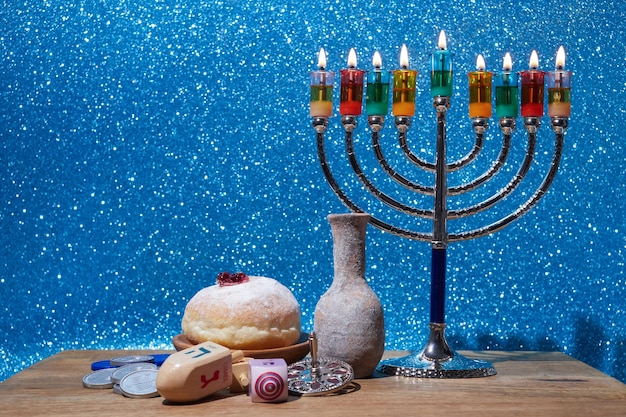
(530, 203)
(507, 189)
(320, 126)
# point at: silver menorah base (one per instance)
(436, 359)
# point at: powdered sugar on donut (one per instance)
(258, 314)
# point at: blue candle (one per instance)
(441, 72)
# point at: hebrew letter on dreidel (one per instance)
(206, 382)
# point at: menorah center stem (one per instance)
(440, 233)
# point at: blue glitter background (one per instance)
(147, 146)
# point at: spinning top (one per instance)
(318, 376)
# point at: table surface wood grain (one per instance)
(527, 384)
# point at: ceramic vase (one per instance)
(349, 320)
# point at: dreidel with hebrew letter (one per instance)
(196, 372)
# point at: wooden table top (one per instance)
(527, 384)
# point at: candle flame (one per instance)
(442, 40)
(560, 58)
(404, 57)
(321, 59)
(507, 64)
(480, 63)
(534, 60)
(377, 61)
(352, 58)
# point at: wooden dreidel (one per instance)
(241, 376)
(268, 380)
(196, 372)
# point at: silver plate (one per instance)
(330, 375)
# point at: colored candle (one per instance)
(351, 95)
(479, 90)
(441, 72)
(559, 88)
(404, 83)
(507, 94)
(321, 101)
(377, 93)
(532, 89)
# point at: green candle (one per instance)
(507, 93)
(377, 96)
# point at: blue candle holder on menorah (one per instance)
(437, 359)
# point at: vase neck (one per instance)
(349, 232)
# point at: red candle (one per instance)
(532, 89)
(351, 94)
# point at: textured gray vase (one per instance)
(349, 320)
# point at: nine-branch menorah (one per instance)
(437, 359)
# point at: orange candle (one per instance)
(404, 84)
(480, 90)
